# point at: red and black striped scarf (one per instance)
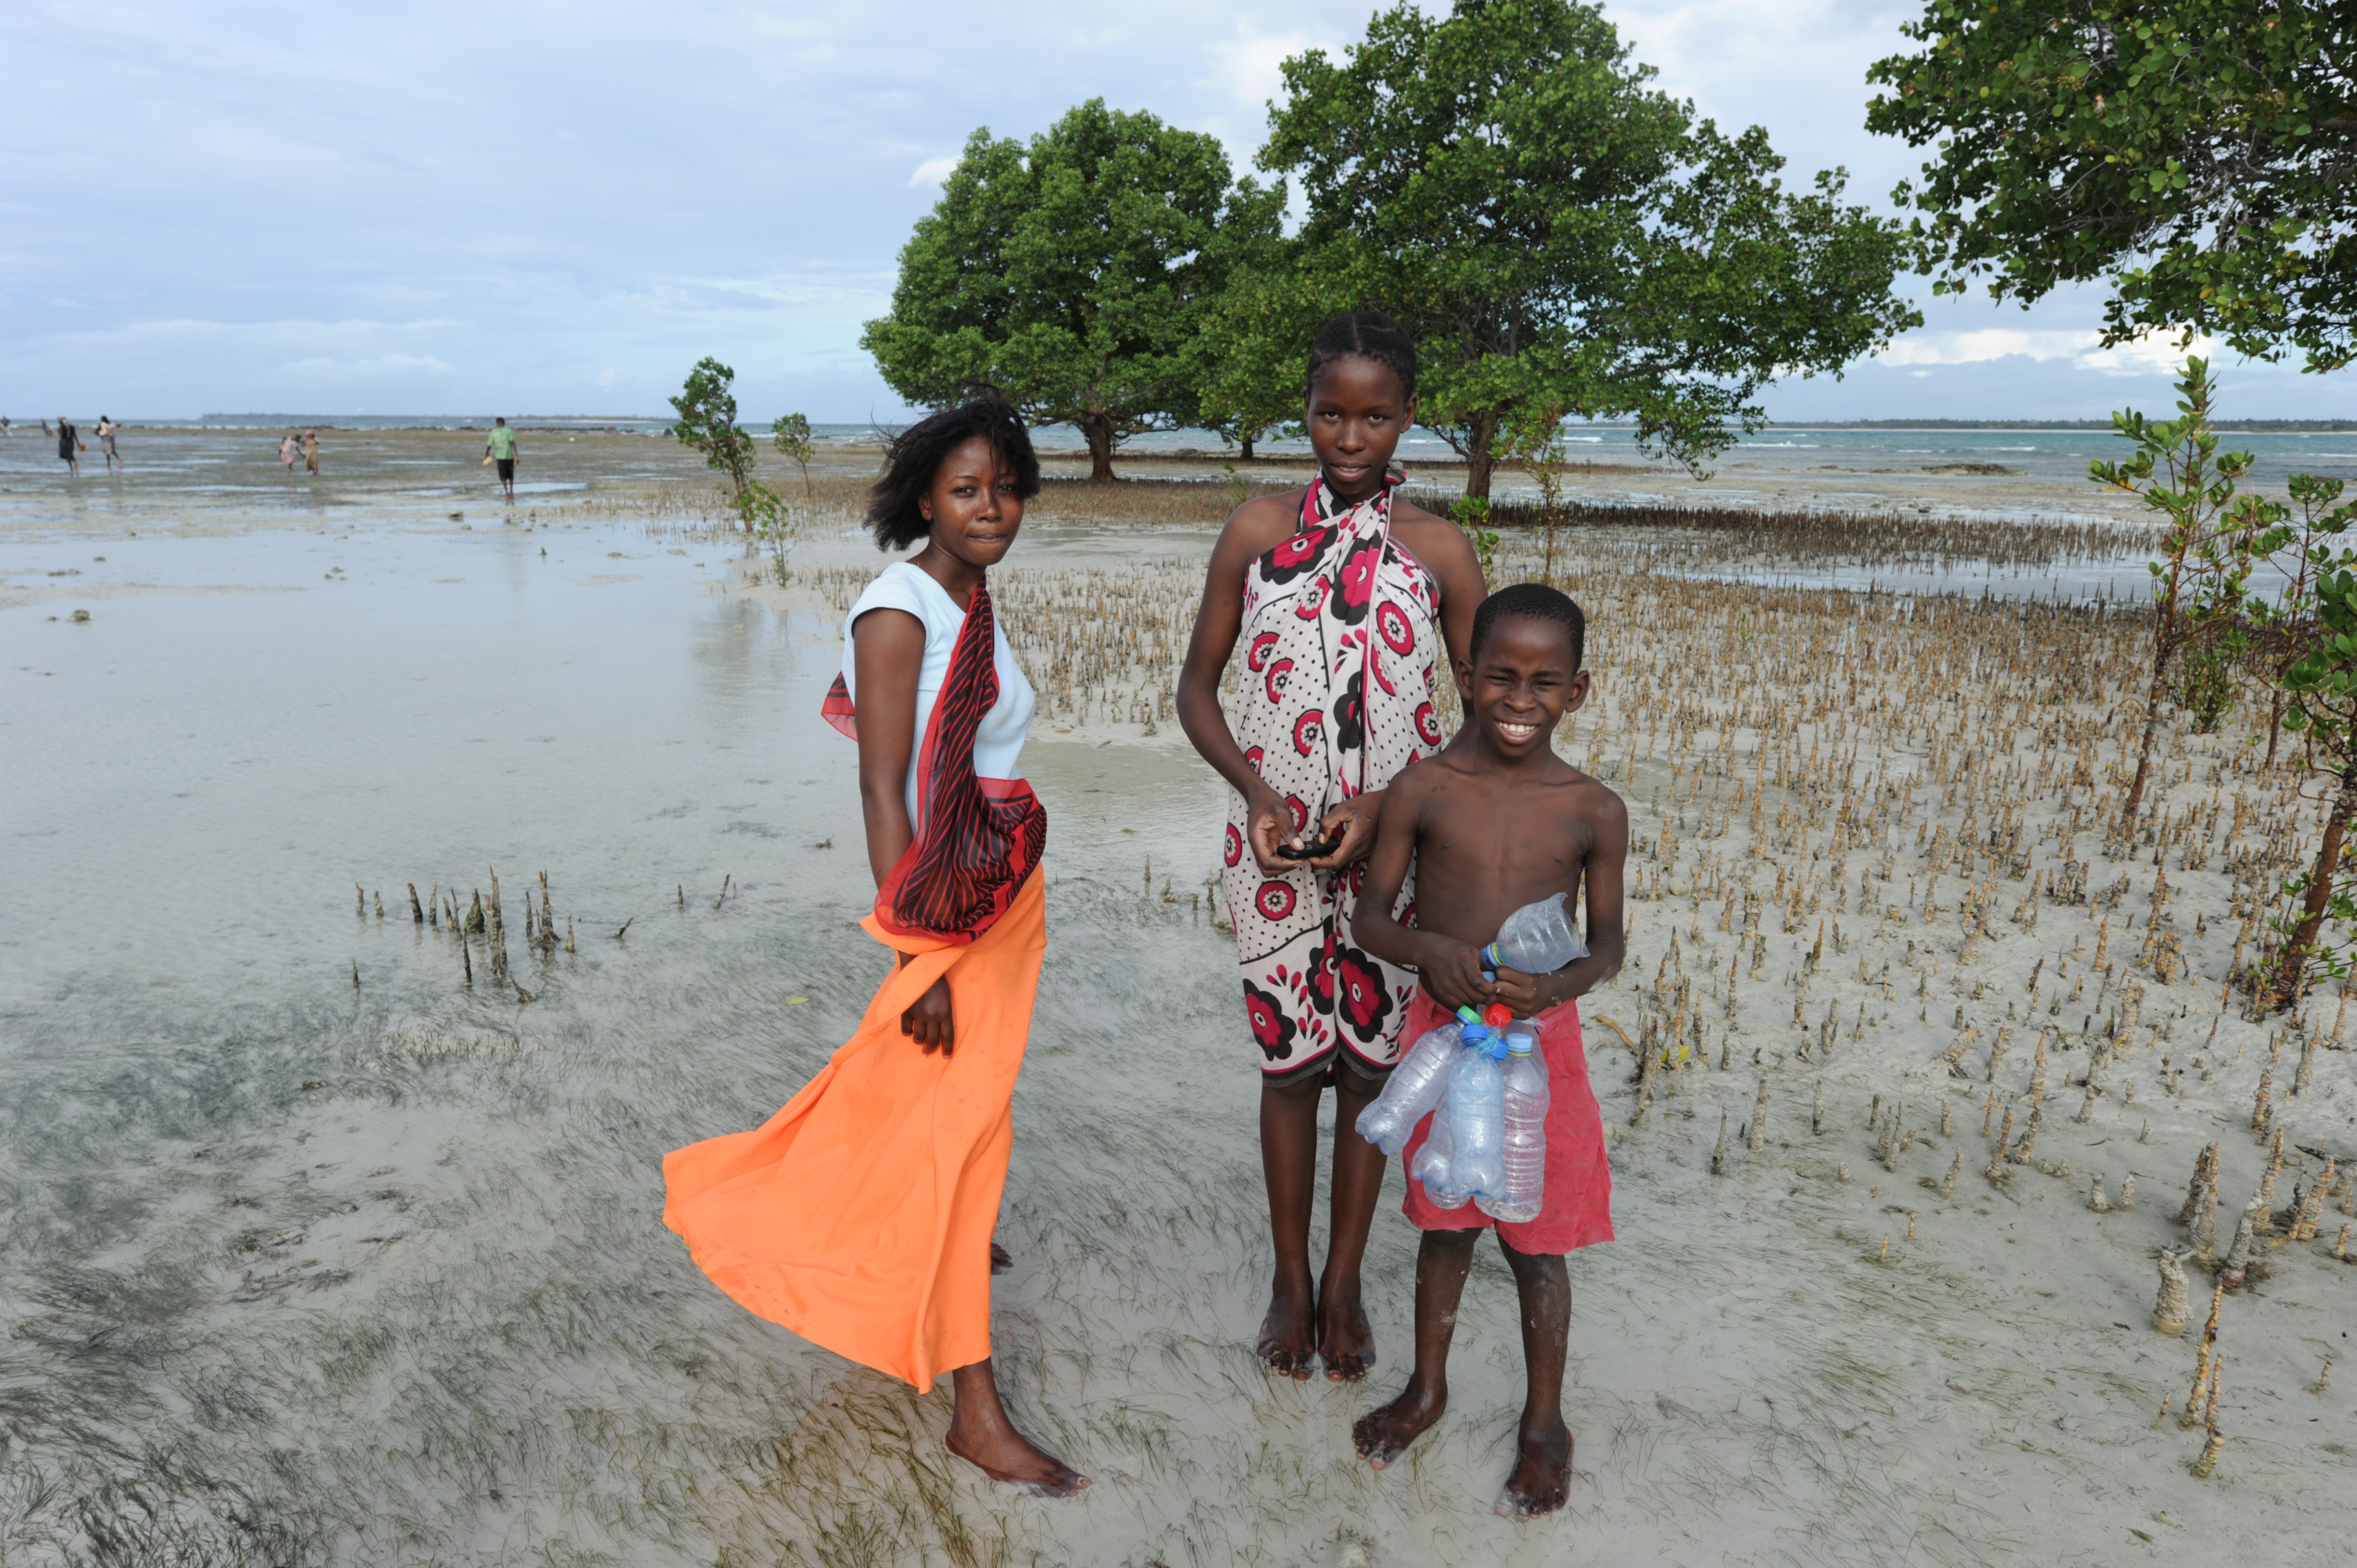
(977, 838)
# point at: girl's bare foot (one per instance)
(1288, 1338)
(1345, 1339)
(1383, 1436)
(1541, 1475)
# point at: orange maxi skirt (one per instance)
(860, 1215)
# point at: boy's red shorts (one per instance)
(1578, 1210)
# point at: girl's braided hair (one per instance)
(1366, 335)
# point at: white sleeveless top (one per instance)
(998, 743)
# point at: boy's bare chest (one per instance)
(1493, 833)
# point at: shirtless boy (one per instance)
(1495, 821)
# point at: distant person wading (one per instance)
(502, 449)
(69, 447)
(107, 430)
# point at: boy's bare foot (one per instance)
(1541, 1475)
(1288, 1339)
(1383, 1436)
(1345, 1340)
(1005, 1455)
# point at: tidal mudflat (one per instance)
(315, 1253)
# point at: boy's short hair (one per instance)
(1537, 601)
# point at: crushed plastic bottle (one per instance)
(1435, 1164)
(1519, 1199)
(1538, 939)
(1475, 1108)
(1414, 1086)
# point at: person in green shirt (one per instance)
(500, 449)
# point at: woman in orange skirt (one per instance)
(860, 1215)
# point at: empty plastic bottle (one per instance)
(1525, 1103)
(1414, 1086)
(1538, 939)
(1475, 1107)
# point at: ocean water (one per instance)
(2058, 454)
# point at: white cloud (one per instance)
(608, 376)
(932, 171)
(2152, 354)
(1987, 343)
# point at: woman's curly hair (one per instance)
(913, 457)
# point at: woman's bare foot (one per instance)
(1006, 1455)
(1345, 1339)
(1383, 1436)
(981, 1434)
(1288, 1337)
(1541, 1475)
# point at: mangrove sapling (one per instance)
(2196, 591)
(2282, 625)
(791, 435)
(2321, 683)
(707, 422)
(1533, 438)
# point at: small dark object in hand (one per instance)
(1310, 851)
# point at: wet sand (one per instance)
(295, 1271)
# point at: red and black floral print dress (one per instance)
(1340, 645)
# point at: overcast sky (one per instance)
(431, 208)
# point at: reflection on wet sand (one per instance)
(299, 1270)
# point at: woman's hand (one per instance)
(1451, 972)
(929, 1022)
(1351, 827)
(1267, 823)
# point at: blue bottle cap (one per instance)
(1521, 1041)
(1477, 1035)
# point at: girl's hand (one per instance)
(1353, 823)
(1267, 824)
(929, 1022)
(1451, 972)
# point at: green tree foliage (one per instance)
(2200, 154)
(1070, 275)
(1551, 228)
(1248, 357)
(706, 407)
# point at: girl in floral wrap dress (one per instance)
(1342, 599)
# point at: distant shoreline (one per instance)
(652, 424)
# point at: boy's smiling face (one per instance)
(1519, 683)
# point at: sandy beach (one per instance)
(316, 1253)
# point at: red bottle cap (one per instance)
(1497, 1015)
